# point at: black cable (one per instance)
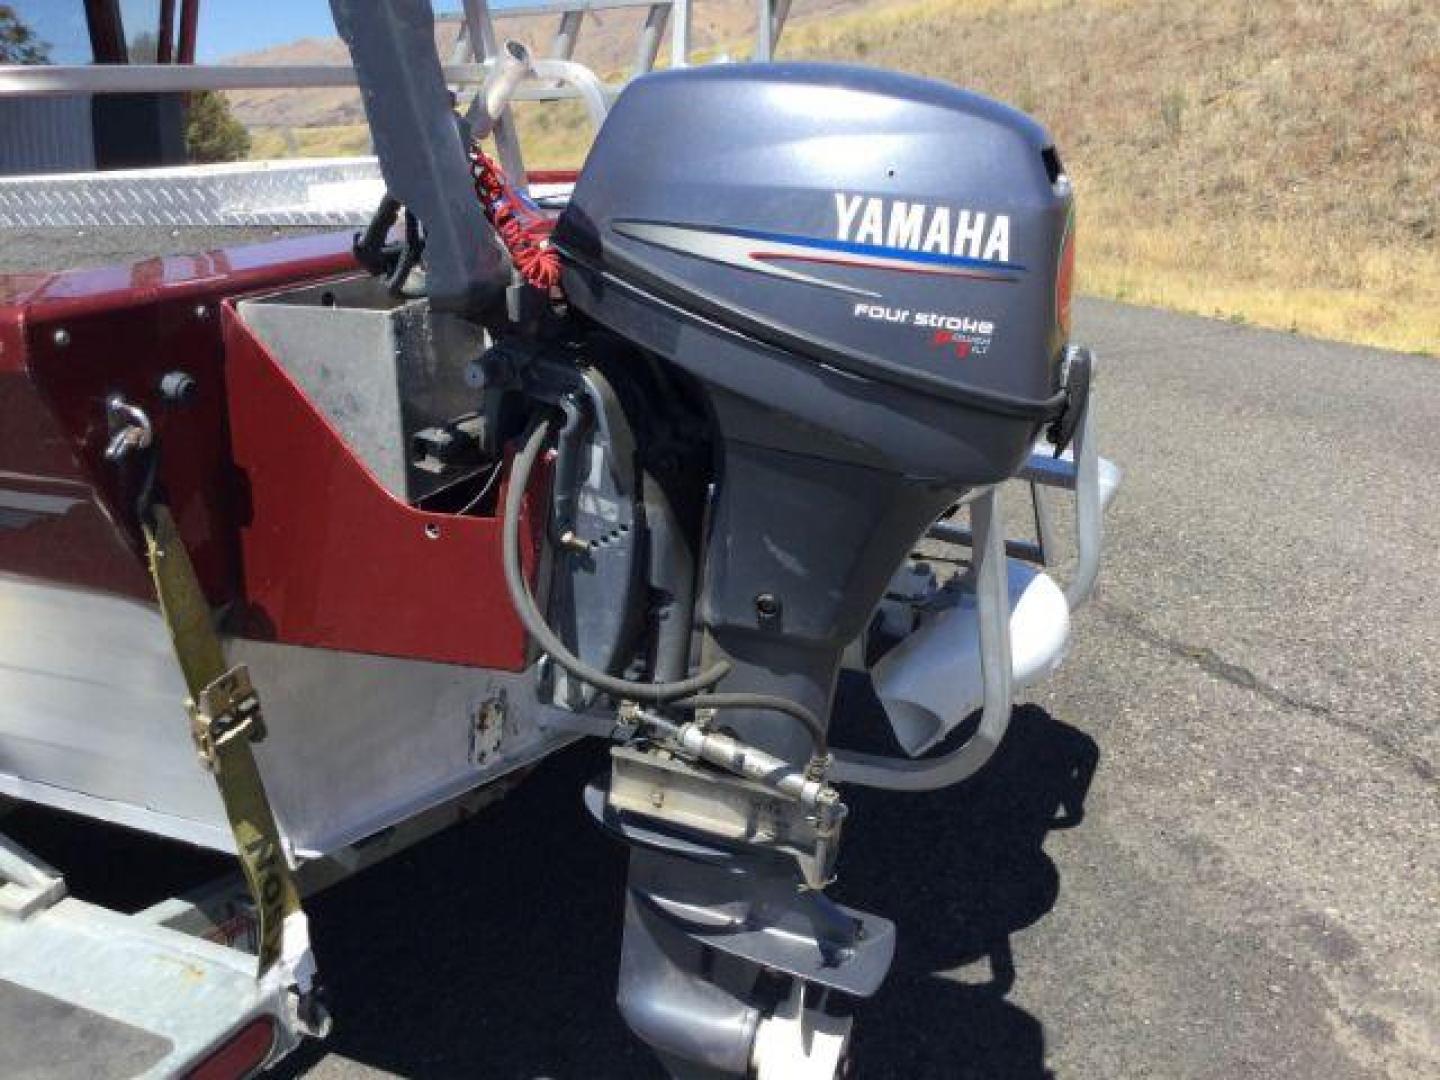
(768, 702)
(534, 622)
(409, 255)
(369, 247)
(145, 496)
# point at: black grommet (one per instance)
(768, 608)
(177, 387)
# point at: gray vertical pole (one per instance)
(680, 34)
(1089, 516)
(1044, 526)
(567, 35)
(563, 45)
(486, 48)
(764, 30)
(461, 49)
(650, 35)
(779, 12)
(417, 140)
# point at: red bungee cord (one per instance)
(522, 228)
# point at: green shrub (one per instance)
(211, 132)
(18, 43)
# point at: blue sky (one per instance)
(238, 26)
(226, 26)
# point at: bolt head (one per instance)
(767, 605)
(177, 387)
(62, 337)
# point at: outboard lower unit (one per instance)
(806, 312)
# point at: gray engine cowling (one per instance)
(856, 234)
(865, 272)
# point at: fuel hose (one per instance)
(682, 693)
(534, 621)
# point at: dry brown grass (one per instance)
(336, 140)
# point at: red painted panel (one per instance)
(552, 176)
(66, 342)
(279, 514)
(128, 351)
(225, 272)
(329, 558)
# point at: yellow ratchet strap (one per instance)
(224, 719)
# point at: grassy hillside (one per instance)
(1269, 162)
(1266, 161)
(606, 43)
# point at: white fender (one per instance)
(931, 680)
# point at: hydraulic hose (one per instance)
(534, 622)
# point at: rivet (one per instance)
(62, 338)
(202, 312)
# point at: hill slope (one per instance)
(606, 43)
(1266, 162)
(1272, 162)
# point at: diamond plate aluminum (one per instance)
(329, 192)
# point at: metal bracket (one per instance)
(227, 709)
(1077, 468)
(130, 428)
(487, 730)
(663, 795)
(27, 885)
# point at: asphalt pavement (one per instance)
(1209, 848)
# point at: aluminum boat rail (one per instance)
(338, 192)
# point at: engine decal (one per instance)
(923, 233)
(766, 252)
(963, 335)
(729, 247)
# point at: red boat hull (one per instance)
(288, 529)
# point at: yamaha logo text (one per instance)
(917, 226)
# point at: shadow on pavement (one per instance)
(491, 950)
(960, 871)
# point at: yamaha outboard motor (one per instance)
(804, 311)
(864, 275)
(863, 271)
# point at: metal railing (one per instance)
(476, 59)
(574, 80)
